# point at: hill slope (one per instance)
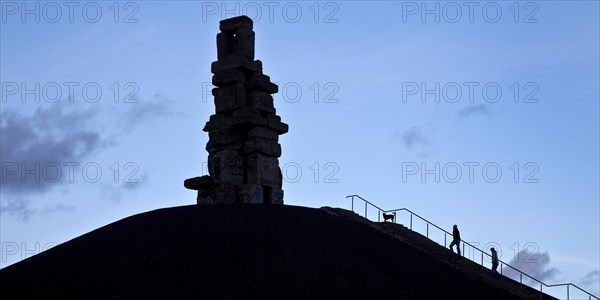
(252, 251)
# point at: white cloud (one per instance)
(534, 264)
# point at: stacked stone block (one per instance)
(243, 133)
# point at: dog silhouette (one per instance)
(389, 217)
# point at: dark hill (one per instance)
(252, 252)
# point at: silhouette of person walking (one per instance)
(456, 239)
(494, 259)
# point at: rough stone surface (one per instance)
(247, 116)
(259, 66)
(226, 166)
(232, 24)
(263, 170)
(198, 183)
(244, 132)
(215, 121)
(274, 122)
(223, 193)
(224, 138)
(229, 98)
(244, 42)
(264, 146)
(250, 193)
(234, 61)
(225, 46)
(263, 133)
(228, 77)
(261, 82)
(274, 195)
(225, 135)
(260, 100)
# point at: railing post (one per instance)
(482, 259)
(445, 242)
(379, 217)
(428, 229)
(410, 221)
(567, 292)
(521, 278)
(352, 202)
(366, 210)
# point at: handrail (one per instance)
(501, 263)
(365, 200)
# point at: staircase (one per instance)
(567, 291)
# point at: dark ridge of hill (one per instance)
(253, 252)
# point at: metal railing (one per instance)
(502, 264)
(367, 203)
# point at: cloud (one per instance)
(36, 151)
(417, 138)
(113, 193)
(58, 133)
(57, 207)
(41, 150)
(160, 106)
(481, 109)
(534, 264)
(33, 148)
(20, 207)
(591, 281)
(414, 136)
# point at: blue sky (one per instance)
(371, 121)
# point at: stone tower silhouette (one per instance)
(243, 133)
